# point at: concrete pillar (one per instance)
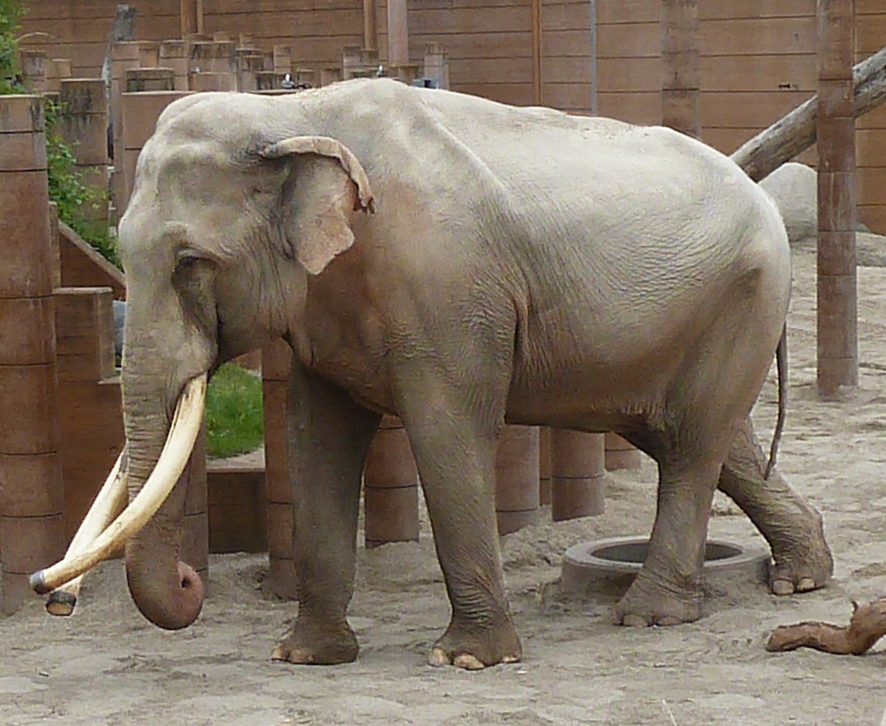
(140, 114)
(681, 77)
(249, 64)
(517, 478)
(211, 81)
(175, 54)
(276, 364)
(282, 59)
(148, 54)
(84, 127)
(620, 454)
(390, 487)
(31, 493)
(139, 80)
(578, 474)
(436, 64)
(33, 67)
(837, 285)
(56, 70)
(213, 57)
(124, 56)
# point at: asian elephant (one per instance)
(461, 264)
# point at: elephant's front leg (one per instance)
(455, 454)
(793, 527)
(330, 436)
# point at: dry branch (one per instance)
(794, 133)
(866, 627)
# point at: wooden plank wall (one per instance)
(870, 132)
(758, 56)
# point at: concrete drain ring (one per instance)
(610, 565)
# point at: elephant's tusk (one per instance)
(110, 500)
(173, 459)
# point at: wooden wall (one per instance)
(758, 56)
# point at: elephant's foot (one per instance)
(474, 647)
(648, 602)
(310, 642)
(801, 563)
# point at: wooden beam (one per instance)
(796, 132)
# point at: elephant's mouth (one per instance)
(97, 539)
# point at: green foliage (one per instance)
(77, 202)
(11, 12)
(234, 413)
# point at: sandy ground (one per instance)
(106, 665)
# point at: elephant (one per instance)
(461, 264)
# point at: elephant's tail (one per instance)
(781, 363)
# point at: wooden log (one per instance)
(390, 487)
(578, 474)
(517, 478)
(866, 627)
(796, 132)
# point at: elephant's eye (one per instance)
(185, 262)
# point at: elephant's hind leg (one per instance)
(667, 590)
(793, 527)
(330, 435)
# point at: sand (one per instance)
(106, 665)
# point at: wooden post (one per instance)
(124, 55)
(390, 487)
(578, 474)
(681, 78)
(31, 493)
(837, 288)
(370, 25)
(517, 478)
(536, 52)
(276, 363)
(398, 33)
(191, 17)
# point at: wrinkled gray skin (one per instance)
(521, 265)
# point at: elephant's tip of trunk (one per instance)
(181, 609)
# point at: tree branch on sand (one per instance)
(796, 132)
(866, 627)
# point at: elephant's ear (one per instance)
(326, 186)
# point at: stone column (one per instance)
(31, 492)
(398, 33)
(578, 474)
(175, 54)
(276, 364)
(390, 487)
(837, 285)
(84, 127)
(33, 66)
(124, 56)
(517, 478)
(140, 114)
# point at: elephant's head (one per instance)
(225, 223)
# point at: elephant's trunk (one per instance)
(167, 591)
